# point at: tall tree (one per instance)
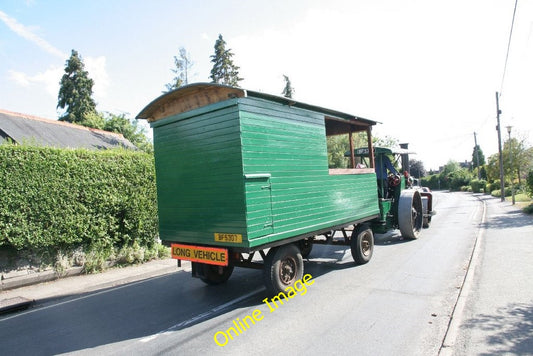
(288, 91)
(478, 152)
(181, 71)
(417, 168)
(75, 91)
(224, 70)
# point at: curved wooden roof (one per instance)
(196, 95)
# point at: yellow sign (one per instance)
(209, 255)
(233, 238)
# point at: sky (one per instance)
(427, 70)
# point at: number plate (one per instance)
(209, 255)
(232, 238)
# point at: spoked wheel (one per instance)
(213, 275)
(283, 266)
(410, 214)
(362, 244)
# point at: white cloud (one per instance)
(49, 79)
(30, 35)
(96, 66)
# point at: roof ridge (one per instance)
(57, 122)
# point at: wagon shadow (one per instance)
(390, 238)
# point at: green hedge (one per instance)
(56, 199)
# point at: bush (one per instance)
(60, 200)
(432, 182)
(497, 193)
(530, 183)
(477, 185)
(458, 179)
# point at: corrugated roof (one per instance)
(29, 129)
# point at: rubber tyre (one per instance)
(283, 267)
(214, 275)
(362, 244)
(410, 214)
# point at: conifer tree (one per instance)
(224, 70)
(75, 91)
(288, 91)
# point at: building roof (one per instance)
(22, 128)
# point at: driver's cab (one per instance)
(388, 165)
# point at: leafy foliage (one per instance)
(224, 71)
(129, 129)
(59, 200)
(417, 168)
(337, 147)
(530, 183)
(182, 66)
(75, 92)
(478, 152)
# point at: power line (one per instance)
(508, 47)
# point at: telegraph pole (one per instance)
(498, 112)
(477, 157)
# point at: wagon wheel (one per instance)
(214, 275)
(410, 215)
(283, 267)
(362, 244)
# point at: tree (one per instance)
(129, 129)
(417, 168)
(224, 70)
(182, 65)
(478, 152)
(288, 91)
(75, 91)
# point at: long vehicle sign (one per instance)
(209, 255)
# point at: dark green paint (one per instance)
(253, 167)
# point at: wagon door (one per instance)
(259, 219)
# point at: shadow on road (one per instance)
(509, 331)
(141, 309)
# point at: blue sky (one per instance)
(427, 69)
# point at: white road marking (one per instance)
(201, 316)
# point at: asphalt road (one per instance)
(399, 303)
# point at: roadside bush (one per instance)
(530, 183)
(432, 182)
(497, 193)
(459, 178)
(59, 200)
(478, 185)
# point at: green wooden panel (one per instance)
(290, 144)
(252, 167)
(199, 175)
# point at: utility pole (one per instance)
(477, 157)
(498, 112)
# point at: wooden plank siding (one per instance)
(290, 145)
(254, 167)
(199, 174)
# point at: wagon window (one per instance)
(342, 137)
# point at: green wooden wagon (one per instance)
(241, 172)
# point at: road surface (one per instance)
(400, 303)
